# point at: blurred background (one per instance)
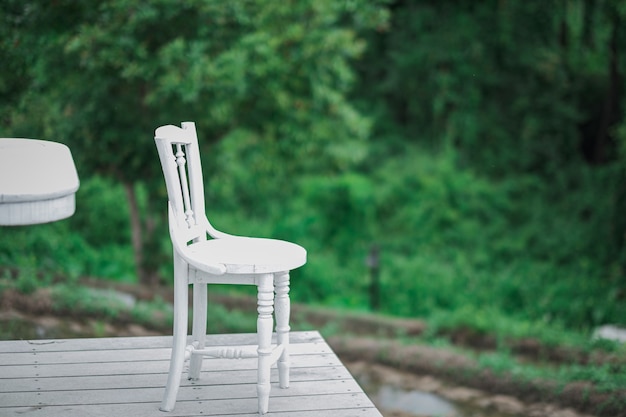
(459, 162)
(456, 170)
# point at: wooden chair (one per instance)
(203, 255)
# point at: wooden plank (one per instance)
(332, 404)
(125, 355)
(363, 412)
(187, 393)
(142, 380)
(142, 412)
(149, 342)
(148, 367)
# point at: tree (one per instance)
(274, 74)
(513, 87)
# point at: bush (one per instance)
(102, 214)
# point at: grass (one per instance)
(604, 377)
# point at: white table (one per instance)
(38, 181)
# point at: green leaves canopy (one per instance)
(107, 76)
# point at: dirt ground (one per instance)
(471, 402)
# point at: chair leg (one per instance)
(199, 327)
(265, 284)
(283, 305)
(177, 359)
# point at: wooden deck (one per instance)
(126, 377)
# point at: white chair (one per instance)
(203, 255)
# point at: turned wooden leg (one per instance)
(265, 323)
(199, 327)
(177, 359)
(283, 305)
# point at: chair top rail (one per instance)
(174, 135)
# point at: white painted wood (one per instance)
(106, 380)
(234, 391)
(38, 181)
(203, 255)
(150, 342)
(145, 366)
(264, 332)
(200, 300)
(123, 355)
(283, 306)
(242, 255)
(317, 405)
(142, 379)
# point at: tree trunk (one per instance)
(610, 113)
(136, 228)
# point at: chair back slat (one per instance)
(180, 159)
(182, 175)
(184, 235)
(194, 168)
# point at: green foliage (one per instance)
(155, 313)
(479, 145)
(278, 73)
(230, 321)
(513, 86)
(27, 281)
(605, 378)
(535, 258)
(92, 243)
(102, 214)
(75, 298)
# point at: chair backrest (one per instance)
(180, 159)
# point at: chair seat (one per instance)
(246, 255)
